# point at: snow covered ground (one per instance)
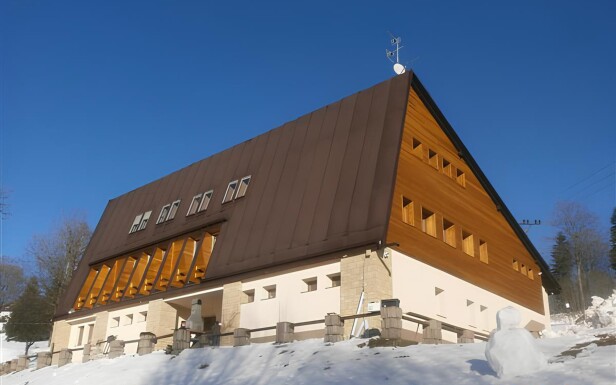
(313, 362)
(583, 353)
(11, 349)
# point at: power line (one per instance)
(588, 177)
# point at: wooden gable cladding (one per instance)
(434, 179)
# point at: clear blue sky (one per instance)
(99, 98)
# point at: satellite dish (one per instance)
(399, 69)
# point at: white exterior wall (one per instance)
(128, 329)
(414, 284)
(293, 303)
(73, 341)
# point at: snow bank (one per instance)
(512, 351)
(602, 312)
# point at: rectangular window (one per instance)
(231, 188)
(428, 222)
(433, 159)
(241, 191)
(483, 251)
(142, 316)
(174, 209)
(439, 298)
(468, 245)
(335, 279)
(80, 338)
(447, 167)
(144, 220)
(417, 148)
(195, 204)
(460, 178)
(128, 319)
(523, 269)
(164, 213)
(449, 233)
(136, 223)
(249, 296)
(115, 322)
(408, 211)
(90, 331)
(470, 306)
(531, 275)
(207, 197)
(311, 284)
(514, 265)
(270, 291)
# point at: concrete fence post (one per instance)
(433, 334)
(181, 340)
(22, 363)
(466, 337)
(66, 357)
(146, 343)
(241, 337)
(285, 332)
(43, 359)
(334, 328)
(391, 323)
(87, 348)
(116, 348)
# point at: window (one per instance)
(128, 319)
(523, 269)
(142, 316)
(249, 296)
(417, 148)
(311, 284)
(335, 279)
(447, 167)
(470, 306)
(207, 197)
(168, 212)
(231, 188)
(80, 338)
(483, 251)
(531, 275)
(243, 187)
(439, 298)
(468, 246)
(115, 322)
(195, 204)
(433, 159)
(514, 265)
(428, 222)
(140, 222)
(164, 212)
(460, 178)
(449, 233)
(270, 291)
(408, 211)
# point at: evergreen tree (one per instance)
(613, 241)
(30, 317)
(561, 257)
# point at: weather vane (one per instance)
(398, 68)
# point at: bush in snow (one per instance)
(512, 351)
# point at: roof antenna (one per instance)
(398, 68)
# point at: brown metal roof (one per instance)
(320, 183)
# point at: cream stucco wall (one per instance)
(460, 303)
(293, 302)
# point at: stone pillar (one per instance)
(366, 269)
(334, 328)
(100, 327)
(13, 366)
(6, 368)
(466, 337)
(43, 359)
(231, 300)
(285, 332)
(195, 321)
(162, 320)
(66, 357)
(432, 334)
(241, 337)
(391, 323)
(146, 343)
(22, 363)
(181, 340)
(59, 339)
(116, 348)
(86, 353)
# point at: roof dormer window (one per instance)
(231, 188)
(168, 212)
(200, 202)
(236, 189)
(140, 222)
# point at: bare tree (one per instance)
(57, 255)
(12, 283)
(3, 205)
(587, 246)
